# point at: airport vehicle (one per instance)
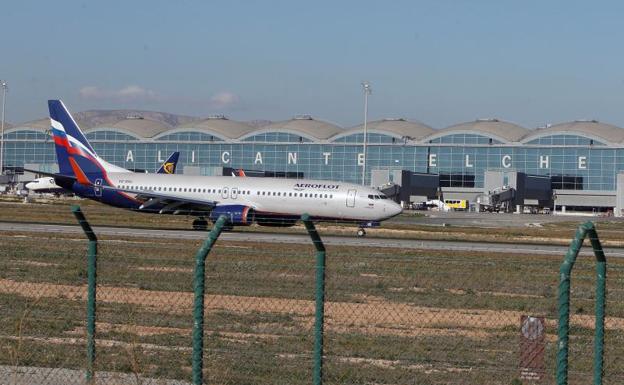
(456, 204)
(47, 184)
(265, 201)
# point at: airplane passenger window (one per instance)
(331, 196)
(279, 194)
(306, 195)
(248, 192)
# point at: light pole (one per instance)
(367, 91)
(4, 90)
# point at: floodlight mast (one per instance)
(4, 90)
(367, 91)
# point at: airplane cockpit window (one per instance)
(370, 196)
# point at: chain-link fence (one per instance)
(392, 316)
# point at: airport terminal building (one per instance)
(581, 158)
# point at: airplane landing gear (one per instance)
(361, 232)
(200, 224)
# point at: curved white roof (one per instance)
(141, 128)
(41, 125)
(605, 132)
(395, 127)
(218, 126)
(303, 125)
(493, 128)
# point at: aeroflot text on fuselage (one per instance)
(317, 185)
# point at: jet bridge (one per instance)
(501, 199)
(511, 191)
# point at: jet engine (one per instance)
(237, 215)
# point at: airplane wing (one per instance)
(170, 203)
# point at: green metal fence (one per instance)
(586, 230)
(281, 313)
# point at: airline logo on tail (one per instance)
(169, 168)
(75, 155)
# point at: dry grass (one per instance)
(393, 316)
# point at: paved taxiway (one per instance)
(304, 239)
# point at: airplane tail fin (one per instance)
(71, 143)
(169, 166)
(72, 147)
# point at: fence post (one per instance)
(601, 299)
(198, 309)
(319, 318)
(585, 230)
(91, 287)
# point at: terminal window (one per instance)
(457, 180)
(566, 182)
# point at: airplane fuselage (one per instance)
(291, 197)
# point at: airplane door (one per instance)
(97, 188)
(224, 193)
(351, 198)
(234, 193)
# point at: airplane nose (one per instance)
(396, 209)
(393, 209)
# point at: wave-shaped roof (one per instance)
(41, 125)
(589, 128)
(319, 130)
(401, 128)
(303, 125)
(139, 127)
(492, 127)
(217, 125)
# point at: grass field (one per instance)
(57, 211)
(392, 316)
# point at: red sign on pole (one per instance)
(532, 345)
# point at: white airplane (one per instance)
(265, 201)
(44, 185)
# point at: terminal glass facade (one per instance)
(573, 162)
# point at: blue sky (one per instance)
(440, 62)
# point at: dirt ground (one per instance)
(373, 316)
